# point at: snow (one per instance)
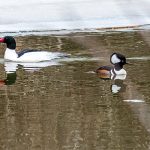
(33, 15)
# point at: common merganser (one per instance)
(26, 55)
(118, 60)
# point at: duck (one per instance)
(26, 55)
(118, 60)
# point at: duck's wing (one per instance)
(104, 69)
(24, 51)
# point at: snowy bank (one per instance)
(33, 15)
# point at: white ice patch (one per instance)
(134, 100)
(140, 58)
(115, 59)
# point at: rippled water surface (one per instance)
(63, 104)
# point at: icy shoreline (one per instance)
(83, 31)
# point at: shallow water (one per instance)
(63, 104)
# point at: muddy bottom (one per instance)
(62, 104)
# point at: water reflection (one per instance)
(10, 79)
(11, 68)
(117, 82)
(118, 86)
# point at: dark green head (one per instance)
(10, 42)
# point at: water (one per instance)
(64, 105)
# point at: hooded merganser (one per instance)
(26, 55)
(118, 60)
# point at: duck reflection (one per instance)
(11, 68)
(10, 79)
(118, 85)
(118, 82)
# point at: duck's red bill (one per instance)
(1, 40)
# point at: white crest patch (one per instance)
(115, 59)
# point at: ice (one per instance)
(134, 100)
(33, 15)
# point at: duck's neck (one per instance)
(10, 54)
(118, 66)
(118, 69)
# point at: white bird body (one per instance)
(35, 56)
(118, 72)
(26, 55)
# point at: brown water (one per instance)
(67, 106)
